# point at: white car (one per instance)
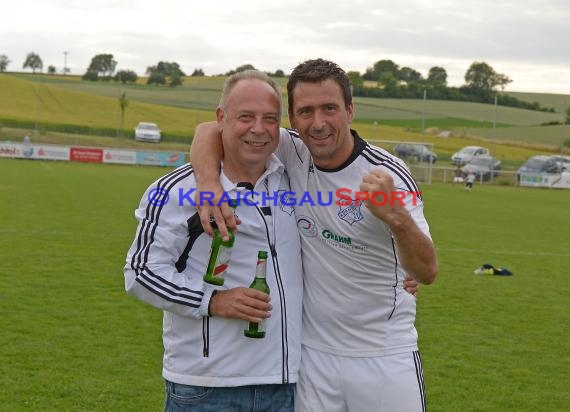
(563, 162)
(468, 153)
(147, 132)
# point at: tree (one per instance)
(241, 68)
(175, 80)
(125, 76)
(355, 80)
(34, 62)
(379, 68)
(389, 81)
(51, 69)
(197, 73)
(437, 77)
(156, 78)
(165, 73)
(4, 62)
(279, 73)
(409, 76)
(102, 64)
(482, 77)
(123, 104)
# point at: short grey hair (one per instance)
(248, 75)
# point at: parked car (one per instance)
(539, 164)
(483, 166)
(468, 153)
(147, 132)
(419, 151)
(563, 162)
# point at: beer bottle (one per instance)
(257, 330)
(220, 254)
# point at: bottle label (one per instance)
(222, 261)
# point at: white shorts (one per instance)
(458, 179)
(333, 383)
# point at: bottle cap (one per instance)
(262, 254)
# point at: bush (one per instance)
(90, 76)
(126, 76)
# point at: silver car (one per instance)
(468, 153)
(147, 132)
(484, 167)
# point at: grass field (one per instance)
(72, 340)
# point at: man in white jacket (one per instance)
(208, 362)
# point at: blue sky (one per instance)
(528, 41)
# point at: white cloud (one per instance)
(526, 41)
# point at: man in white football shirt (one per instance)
(359, 341)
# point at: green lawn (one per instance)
(72, 340)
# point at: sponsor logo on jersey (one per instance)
(351, 213)
(327, 234)
(285, 203)
(307, 226)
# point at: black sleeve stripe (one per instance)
(175, 288)
(166, 297)
(145, 238)
(153, 214)
(153, 286)
(380, 159)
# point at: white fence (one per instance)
(428, 174)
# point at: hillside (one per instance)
(48, 103)
(559, 102)
(64, 102)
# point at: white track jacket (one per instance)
(165, 265)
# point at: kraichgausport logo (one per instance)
(158, 196)
(349, 200)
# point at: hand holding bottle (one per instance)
(243, 303)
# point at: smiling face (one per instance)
(323, 119)
(248, 120)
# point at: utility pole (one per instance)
(65, 53)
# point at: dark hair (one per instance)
(316, 71)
